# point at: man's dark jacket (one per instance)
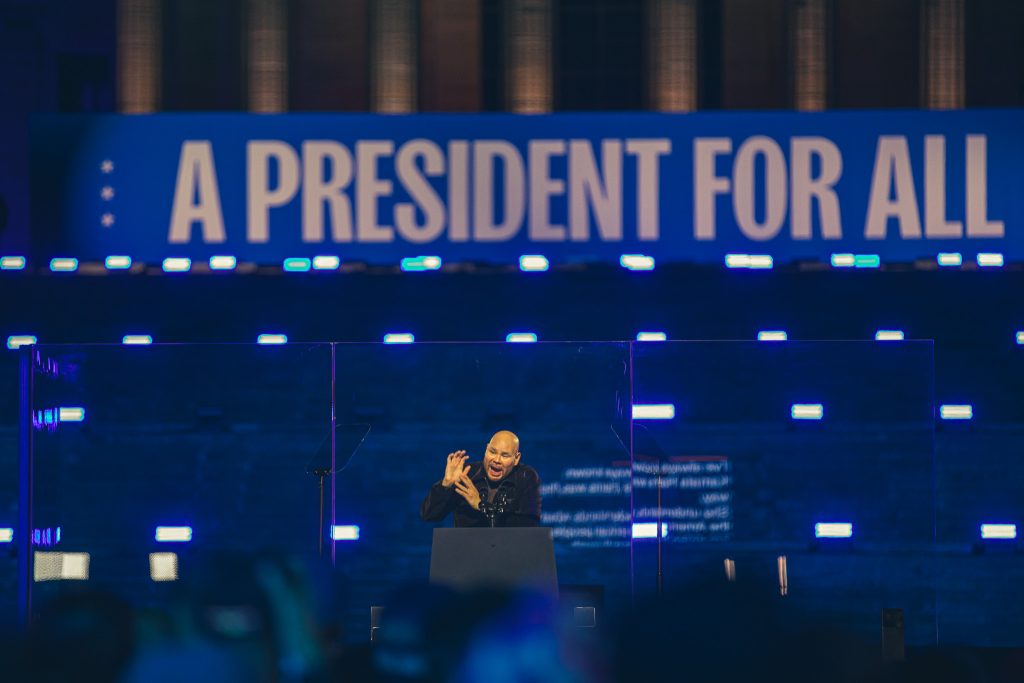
(517, 502)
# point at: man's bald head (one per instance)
(502, 455)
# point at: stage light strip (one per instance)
(163, 566)
(177, 265)
(772, 336)
(71, 414)
(889, 335)
(421, 263)
(750, 261)
(833, 530)
(521, 337)
(63, 265)
(272, 339)
(649, 529)
(12, 263)
(223, 262)
(6, 535)
(651, 336)
(842, 260)
(136, 340)
(654, 411)
(990, 260)
(807, 411)
(399, 338)
(118, 262)
(956, 412)
(173, 534)
(345, 532)
(636, 262)
(998, 531)
(533, 263)
(950, 259)
(296, 265)
(326, 263)
(16, 341)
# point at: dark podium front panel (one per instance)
(510, 556)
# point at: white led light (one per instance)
(843, 260)
(654, 411)
(64, 265)
(649, 529)
(999, 531)
(949, 259)
(12, 263)
(345, 532)
(50, 566)
(136, 339)
(752, 261)
(651, 336)
(990, 260)
(956, 412)
(326, 263)
(889, 335)
(533, 263)
(16, 341)
(267, 339)
(637, 262)
(177, 265)
(521, 337)
(833, 530)
(173, 534)
(1020, 338)
(6, 535)
(72, 414)
(223, 262)
(772, 335)
(807, 411)
(118, 262)
(399, 338)
(163, 566)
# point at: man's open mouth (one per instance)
(495, 470)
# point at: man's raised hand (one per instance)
(453, 468)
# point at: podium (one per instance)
(508, 557)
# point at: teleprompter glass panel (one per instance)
(162, 465)
(568, 403)
(801, 469)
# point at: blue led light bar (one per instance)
(421, 263)
(296, 265)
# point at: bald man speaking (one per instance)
(497, 491)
